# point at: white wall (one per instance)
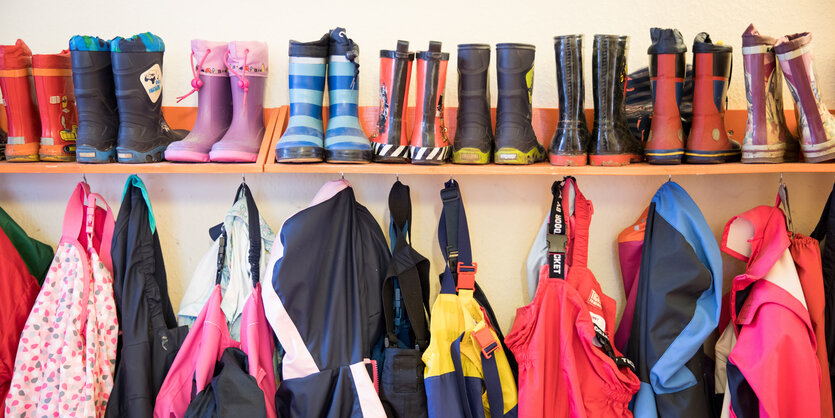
(504, 212)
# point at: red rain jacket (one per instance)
(773, 370)
(18, 291)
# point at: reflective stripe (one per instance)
(792, 54)
(52, 72)
(370, 404)
(756, 49)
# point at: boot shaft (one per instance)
(609, 77)
(764, 90)
(474, 81)
(95, 95)
(395, 73)
(514, 69)
(56, 105)
(345, 139)
(568, 51)
(17, 87)
(711, 73)
(666, 66)
(428, 129)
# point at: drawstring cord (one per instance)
(352, 57)
(242, 80)
(196, 82)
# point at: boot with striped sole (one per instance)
(429, 143)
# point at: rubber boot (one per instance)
(570, 144)
(4, 137)
(19, 98)
(429, 143)
(248, 67)
(56, 104)
(473, 143)
(214, 103)
(391, 139)
(345, 141)
(516, 141)
(767, 138)
(95, 95)
(708, 142)
(816, 126)
(137, 73)
(666, 71)
(612, 143)
(303, 140)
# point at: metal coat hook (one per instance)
(783, 195)
(243, 178)
(84, 178)
(342, 174)
(396, 177)
(669, 177)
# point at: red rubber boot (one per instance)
(56, 103)
(21, 112)
(391, 140)
(666, 70)
(708, 142)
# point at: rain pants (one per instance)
(150, 337)
(567, 365)
(677, 306)
(209, 338)
(324, 305)
(773, 369)
(821, 233)
(467, 369)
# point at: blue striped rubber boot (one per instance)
(303, 140)
(345, 141)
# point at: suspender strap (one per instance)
(409, 268)
(492, 380)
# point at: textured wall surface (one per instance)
(504, 212)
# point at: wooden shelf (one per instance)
(545, 169)
(178, 118)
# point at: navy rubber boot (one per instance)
(137, 73)
(95, 97)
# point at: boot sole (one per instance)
(430, 155)
(819, 153)
(57, 153)
(128, 156)
(88, 155)
(233, 156)
(664, 156)
(770, 154)
(468, 155)
(568, 160)
(182, 156)
(612, 160)
(350, 156)
(299, 155)
(512, 156)
(22, 153)
(388, 153)
(712, 157)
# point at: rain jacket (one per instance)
(769, 315)
(324, 304)
(235, 282)
(630, 247)
(567, 365)
(195, 366)
(468, 372)
(677, 307)
(34, 253)
(150, 337)
(18, 291)
(821, 233)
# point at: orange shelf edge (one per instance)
(178, 118)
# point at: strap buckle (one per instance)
(466, 276)
(485, 339)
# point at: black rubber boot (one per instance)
(570, 144)
(137, 73)
(473, 142)
(95, 97)
(612, 143)
(516, 141)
